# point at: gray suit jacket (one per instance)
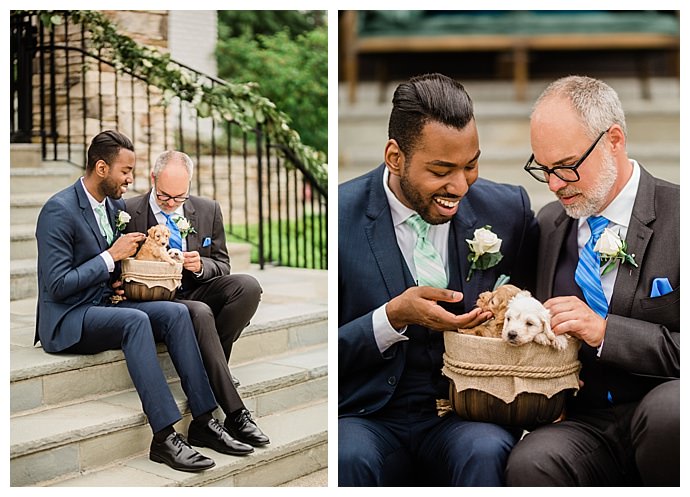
(208, 239)
(642, 332)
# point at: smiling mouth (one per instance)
(448, 204)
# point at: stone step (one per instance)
(24, 207)
(40, 381)
(98, 456)
(23, 282)
(50, 177)
(30, 154)
(23, 241)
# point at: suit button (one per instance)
(102, 285)
(391, 381)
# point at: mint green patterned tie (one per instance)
(427, 261)
(104, 224)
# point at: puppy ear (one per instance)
(546, 326)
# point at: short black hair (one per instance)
(430, 97)
(105, 146)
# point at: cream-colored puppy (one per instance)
(527, 320)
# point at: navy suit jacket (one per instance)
(372, 271)
(642, 342)
(71, 274)
(206, 218)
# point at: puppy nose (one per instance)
(512, 334)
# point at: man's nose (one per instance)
(556, 183)
(457, 185)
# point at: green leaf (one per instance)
(487, 260)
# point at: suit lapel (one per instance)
(381, 236)
(191, 215)
(89, 216)
(551, 240)
(637, 238)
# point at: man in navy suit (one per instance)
(390, 336)
(79, 249)
(623, 427)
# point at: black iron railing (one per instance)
(63, 92)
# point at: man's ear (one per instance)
(393, 157)
(101, 168)
(617, 138)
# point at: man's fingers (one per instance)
(439, 294)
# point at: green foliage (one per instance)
(239, 102)
(290, 68)
(297, 234)
(233, 23)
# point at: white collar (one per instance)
(399, 211)
(92, 201)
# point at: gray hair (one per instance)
(595, 102)
(170, 155)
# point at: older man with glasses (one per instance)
(220, 304)
(609, 272)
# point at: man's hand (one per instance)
(126, 246)
(192, 261)
(571, 315)
(419, 305)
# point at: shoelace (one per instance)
(180, 442)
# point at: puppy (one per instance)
(495, 301)
(527, 320)
(153, 248)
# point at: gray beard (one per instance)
(592, 201)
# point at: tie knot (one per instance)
(597, 225)
(419, 225)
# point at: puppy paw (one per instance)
(560, 343)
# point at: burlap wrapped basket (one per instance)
(150, 280)
(492, 381)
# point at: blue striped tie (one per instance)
(587, 274)
(427, 260)
(175, 236)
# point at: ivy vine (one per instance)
(240, 103)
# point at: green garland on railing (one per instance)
(240, 103)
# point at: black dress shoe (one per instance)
(214, 436)
(243, 428)
(178, 454)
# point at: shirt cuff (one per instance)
(601, 346)
(384, 334)
(108, 259)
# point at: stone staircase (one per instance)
(77, 421)
(503, 124)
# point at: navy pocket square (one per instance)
(206, 242)
(660, 286)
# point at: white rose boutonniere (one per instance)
(611, 249)
(184, 226)
(485, 250)
(122, 219)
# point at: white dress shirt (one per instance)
(384, 334)
(618, 212)
(105, 255)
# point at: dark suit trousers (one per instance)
(441, 451)
(134, 327)
(628, 444)
(212, 353)
(232, 300)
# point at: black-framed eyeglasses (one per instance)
(568, 174)
(166, 198)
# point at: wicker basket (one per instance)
(524, 386)
(150, 280)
